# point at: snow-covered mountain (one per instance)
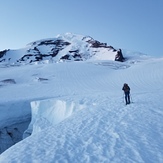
(63, 47)
(75, 111)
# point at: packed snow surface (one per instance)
(78, 111)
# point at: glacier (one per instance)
(75, 112)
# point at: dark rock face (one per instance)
(2, 53)
(119, 56)
(38, 55)
(73, 55)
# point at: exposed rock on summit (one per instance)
(61, 48)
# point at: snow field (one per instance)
(104, 129)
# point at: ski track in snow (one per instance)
(106, 130)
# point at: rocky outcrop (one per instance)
(2, 54)
(119, 56)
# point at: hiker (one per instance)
(126, 90)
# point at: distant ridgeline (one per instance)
(67, 47)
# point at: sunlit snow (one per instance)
(77, 113)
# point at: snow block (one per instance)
(50, 112)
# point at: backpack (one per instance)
(126, 88)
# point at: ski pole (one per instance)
(123, 97)
(131, 98)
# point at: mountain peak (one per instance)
(63, 47)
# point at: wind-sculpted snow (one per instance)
(79, 114)
(50, 112)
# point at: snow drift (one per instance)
(50, 112)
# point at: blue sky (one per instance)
(135, 25)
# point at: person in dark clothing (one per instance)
(126, 90)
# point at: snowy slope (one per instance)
(65, 47)
(101, 128)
